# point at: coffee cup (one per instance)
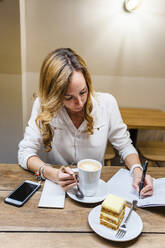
(89, 176)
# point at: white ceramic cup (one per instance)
(89, 175)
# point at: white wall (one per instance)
(124, 52)
(10, 117)
(129, 91)
(10, 81)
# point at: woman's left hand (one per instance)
(148, 183)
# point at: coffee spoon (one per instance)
(79, 193)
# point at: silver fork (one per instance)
(123, 228)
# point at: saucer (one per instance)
(134, 225)
(100, 195)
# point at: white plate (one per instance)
(100, 195)
(134, 225)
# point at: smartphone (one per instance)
(22, 193)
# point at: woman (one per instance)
(70, 122)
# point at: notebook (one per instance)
(121, 184)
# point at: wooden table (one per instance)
(138, 118)
(33, 227)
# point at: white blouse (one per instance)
(69, 144)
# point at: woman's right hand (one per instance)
(148, 183)
(64, 176)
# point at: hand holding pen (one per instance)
(142, 182)
(143, 177)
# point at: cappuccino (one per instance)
(89, 166)
(89, 176)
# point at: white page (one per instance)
(121, 184)
(53, 196)
(158, 197)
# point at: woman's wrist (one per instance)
(136, 168)
(50, 173)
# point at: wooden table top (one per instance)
(30, 226)
(138, 118)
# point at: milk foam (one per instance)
(89, 166)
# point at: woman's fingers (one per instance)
(148, 185)
(66, 183)
(148, 188)
(149, 180)
(69, 171)
(65, 173)
(70, 186)
(147, 193)
(66, 178)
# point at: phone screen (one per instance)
(23, 191)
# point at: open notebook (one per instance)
(121, 184)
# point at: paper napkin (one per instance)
(53, 196)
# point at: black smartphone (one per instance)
(22, 193)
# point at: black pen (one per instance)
(143, 176)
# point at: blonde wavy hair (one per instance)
(55, 75)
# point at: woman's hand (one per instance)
(148, 183)
(66, 178)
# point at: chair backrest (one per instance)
(109, 154)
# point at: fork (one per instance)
(123, 228)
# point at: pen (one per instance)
(143, 176)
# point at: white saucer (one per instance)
(100, 195)
(134, 225)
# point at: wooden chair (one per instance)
(153, 151)
(109, 154)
